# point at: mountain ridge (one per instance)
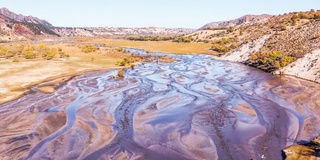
(249, 18)
(22, 18)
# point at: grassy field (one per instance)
(17, 77)
(155, 46)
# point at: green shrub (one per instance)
(123, 63)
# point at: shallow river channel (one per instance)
(194, 108)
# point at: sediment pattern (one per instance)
(194, 108)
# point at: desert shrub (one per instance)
(30, 55)
(283, 28)
(123, 63)
(302, 15)
(276, 55)
(64, 55)
(253, 56)
(150, 38)
(272, 60)
(120, 49)
(89, 48)
(19, 49)
(42, 46)
(121, 74)
(49, 54)
(29, 49)
(277, 64)
(219, 48)
(132, 66)
(11, 53)
(205, 41)
(15, 59)
(182, 40)
(316, 15)
(224, 45)
(286, 60)
(230, 29)
(3, 50)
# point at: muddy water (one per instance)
(195, 108)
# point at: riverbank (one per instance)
(154, 46)
(18, 75)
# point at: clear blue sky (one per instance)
(143, 13)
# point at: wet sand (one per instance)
(195, 108)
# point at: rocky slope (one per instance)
(285, 44)
(307, 67)
(17, 26)
(246, 19)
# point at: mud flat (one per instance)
(194, 108)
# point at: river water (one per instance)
(194, 108)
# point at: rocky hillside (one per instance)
(119, 31)
(284, 44)
(246, 19)
(21, 18)
(16, 26)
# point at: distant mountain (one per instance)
(238, 21)
(14, 25)
(21, 18)
(119, 31)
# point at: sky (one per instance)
(146, 13)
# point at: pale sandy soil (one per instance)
(307, 67)
(16, 78)
(243, 52)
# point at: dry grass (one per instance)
(17, 77)
(155, 46)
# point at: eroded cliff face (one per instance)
(242, 54)
(307, 67)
